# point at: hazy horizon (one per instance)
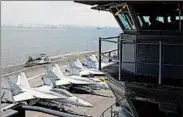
(53, 13)
(57, 25)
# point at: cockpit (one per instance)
(63, 92)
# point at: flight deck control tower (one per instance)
(147, 77)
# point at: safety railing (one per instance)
(109, 110)
(120, 42)
(108, 39)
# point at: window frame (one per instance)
(180, 29)
(132, 30)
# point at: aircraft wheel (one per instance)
(117, 103)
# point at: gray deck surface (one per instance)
(100, 103)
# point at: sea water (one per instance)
(18, 43)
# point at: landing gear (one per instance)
(117, 103)
(61, 107)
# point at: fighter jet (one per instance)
(77, 68)
(39, 92)
(56, 73)
(74, 79)
(71, 99)
(75, 84)
(48, 88)
(22, 93)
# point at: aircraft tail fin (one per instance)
(74, 70)
(9, 89)
(48, 81)
(22, 80)
(90, 63)
(6, 92)
(50, 74)
(94, 58)
(78, 63)
(56, 69)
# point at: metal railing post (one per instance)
(118, 47)
(160, 62)
(111, 110)
(100, 51)
(135, 57)
(120, 59)
(109, 57)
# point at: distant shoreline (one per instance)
(58, 27)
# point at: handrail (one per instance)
(111, 58)
(173, 65)
(110, 37)
(121, 41)
(113, 50)
(110, 107)
(109, 41)
(127, 111)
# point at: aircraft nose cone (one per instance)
(106, 86)
(80, 102)
(87, 104)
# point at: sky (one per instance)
(53, 12)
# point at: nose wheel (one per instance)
(117, 103)
(62, 108)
